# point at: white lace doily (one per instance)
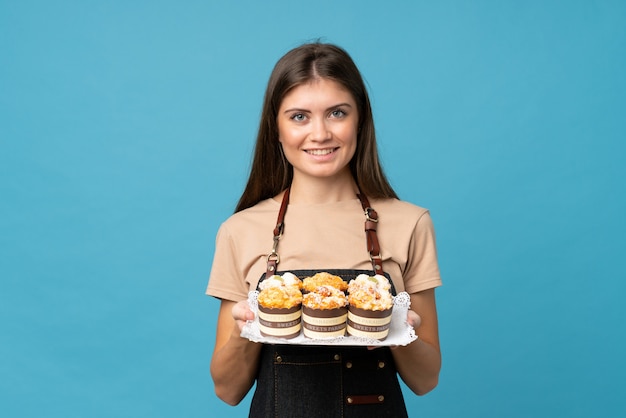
(400, 332)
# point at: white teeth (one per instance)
(320, 151)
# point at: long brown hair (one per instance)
(271, 173)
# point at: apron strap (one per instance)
(371, 222)
(273, 258)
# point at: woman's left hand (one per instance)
(413, 319)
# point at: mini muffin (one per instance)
(371, 305)
(280, 306)
(324, 312)
(309, 284)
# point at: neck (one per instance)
(325, 190)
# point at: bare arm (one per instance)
(235, 359)
(419, 363)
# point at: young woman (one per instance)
(316, 163)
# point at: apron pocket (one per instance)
(308, 382)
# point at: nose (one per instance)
(320, 130)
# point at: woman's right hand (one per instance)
(241, 313)
(235, 359)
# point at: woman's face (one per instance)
(317, 127)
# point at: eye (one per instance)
(337, 113)
(298, 117)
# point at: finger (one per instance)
(242, 312)
(413, 319)
(249, 315)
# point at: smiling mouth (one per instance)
(321, 151)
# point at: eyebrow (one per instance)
(297, 109)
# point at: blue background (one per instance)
(126, 129)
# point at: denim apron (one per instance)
(327, 381)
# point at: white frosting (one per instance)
(371, 293)
(287, 279)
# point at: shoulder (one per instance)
(259, 215)
(403, 217)
(399, 209)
